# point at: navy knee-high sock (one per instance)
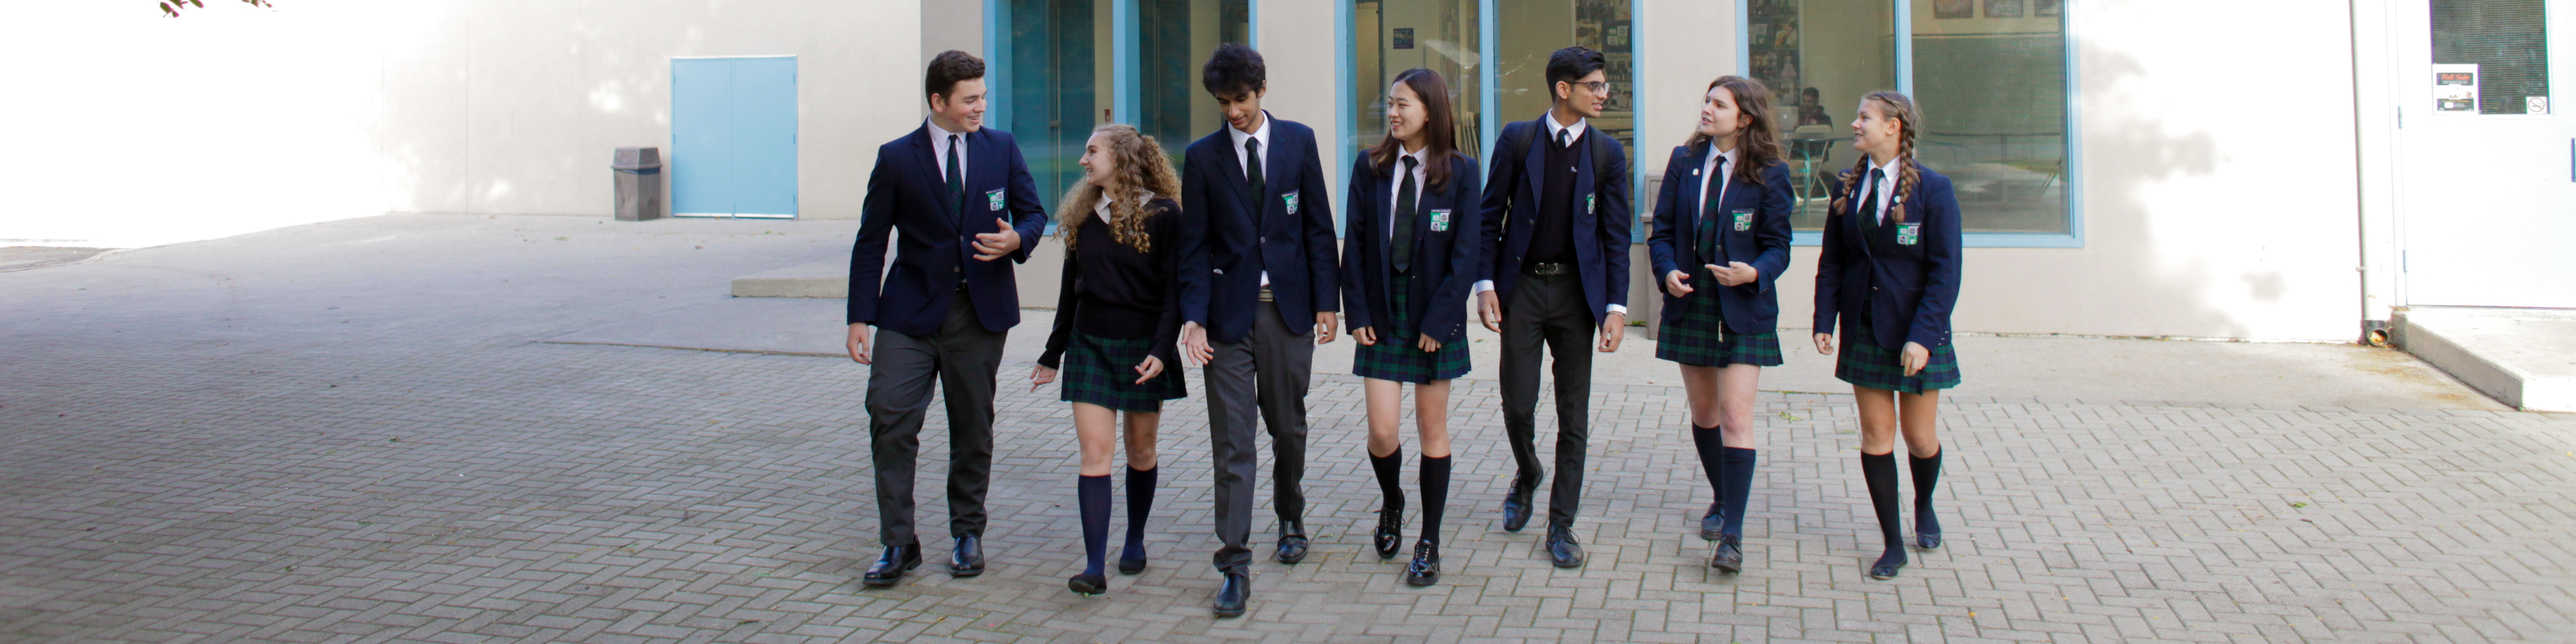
(1390, 472)
(1927, 473)
(1435, 495)
(1738, 487)
(1140, 507)
(1880, 471)
(1706, 440)
(1094, 492)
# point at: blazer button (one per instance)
(954, 269)
(1264, 240)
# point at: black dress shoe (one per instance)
(1088, 584)
(1928, 540)
(1128, 566)
(889, 569)
(968, 560)
(1887, 564)
(1712, 526)
(1425, 569)
(1516, 505)
(1390, 532)
(1730, 555)
(1236, 592)
(1562, 549)
(1292, 542)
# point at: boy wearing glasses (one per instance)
(1555, 266)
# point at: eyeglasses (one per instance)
(1597, 87)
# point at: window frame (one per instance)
(1904, 18)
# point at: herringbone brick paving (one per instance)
(343, 433)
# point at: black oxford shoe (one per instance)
(1292, 542)
(968, 561)
(1516, 505)
(1712, 526)
(1128, 566)
(1887, 564)
(1730, 555)
(889, 569)
(1425, 569)
(1562, 549)
(1390, 532)
(1236, 592)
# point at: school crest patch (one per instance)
(1743, 220)
(1440, 221)
(1291, 200)
(1909, 234)
(993, 199)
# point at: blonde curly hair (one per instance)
(1138, 163)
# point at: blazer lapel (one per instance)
(1271, 175)
(1235, 181)
(983, 173)
(1534, 163)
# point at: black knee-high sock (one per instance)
(1094, 492)
(1140, 507)
(1390, 471)
(1927, 473)
(1711, 459)
(1738, 487)
(1435, 495)
(1880, 470)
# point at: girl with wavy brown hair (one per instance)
(1889, 272)
(1117, 324)
(1721, 238)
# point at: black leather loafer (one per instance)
(968, 560)
(1730, 555)
(1292, 542)
(1236, 592)
(1712, 526)
(1562, 549)
(889, 569)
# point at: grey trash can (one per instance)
(639, 183)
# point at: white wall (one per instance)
(232, 119)
(131, 129)
(1297, 41)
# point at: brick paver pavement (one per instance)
(344, 432)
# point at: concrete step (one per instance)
(827, 278)
(2524, 358)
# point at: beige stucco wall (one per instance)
(514, 107)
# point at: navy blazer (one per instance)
(1751, 308)
(905, 193)
(1910, 293)
(1223, 225)
(1601, 233)
(1444, 253)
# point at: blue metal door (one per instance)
(733, 137)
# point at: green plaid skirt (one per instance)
(1866, 364)
(1396, 356)
(1102, 372)
(1700, 339)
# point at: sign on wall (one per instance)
(2455, 88)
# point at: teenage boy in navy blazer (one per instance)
(1260, 286)
(963, 200)
(1556, 223)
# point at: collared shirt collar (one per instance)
(939, 146)
(1554, 128)
(1262, 132)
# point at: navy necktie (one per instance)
(1405, 211)
(1252, 173)
(956, 180)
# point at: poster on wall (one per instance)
(2455, 88)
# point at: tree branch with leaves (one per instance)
(171, 7)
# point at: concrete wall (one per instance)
(1297, 41)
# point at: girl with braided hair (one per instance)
(1117, 326)
(1889, 273)
(1721, 239)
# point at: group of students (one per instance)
(1232, 263)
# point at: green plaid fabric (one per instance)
(1866, 364)
(1695, 339)
(1395, 356)
(1102, 372)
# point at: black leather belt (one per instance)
(1545, 268)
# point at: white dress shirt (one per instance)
(1554, 128)
(940, 149)
(1395, 193)
(1242, 160)
(1886, 186)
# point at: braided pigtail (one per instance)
(1851, 184)
(1909, 122)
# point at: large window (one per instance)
(1054, 88)
(1176, 37)
(1990, 77)
(1532, 29)
(2490, 57)
(1392, 36)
